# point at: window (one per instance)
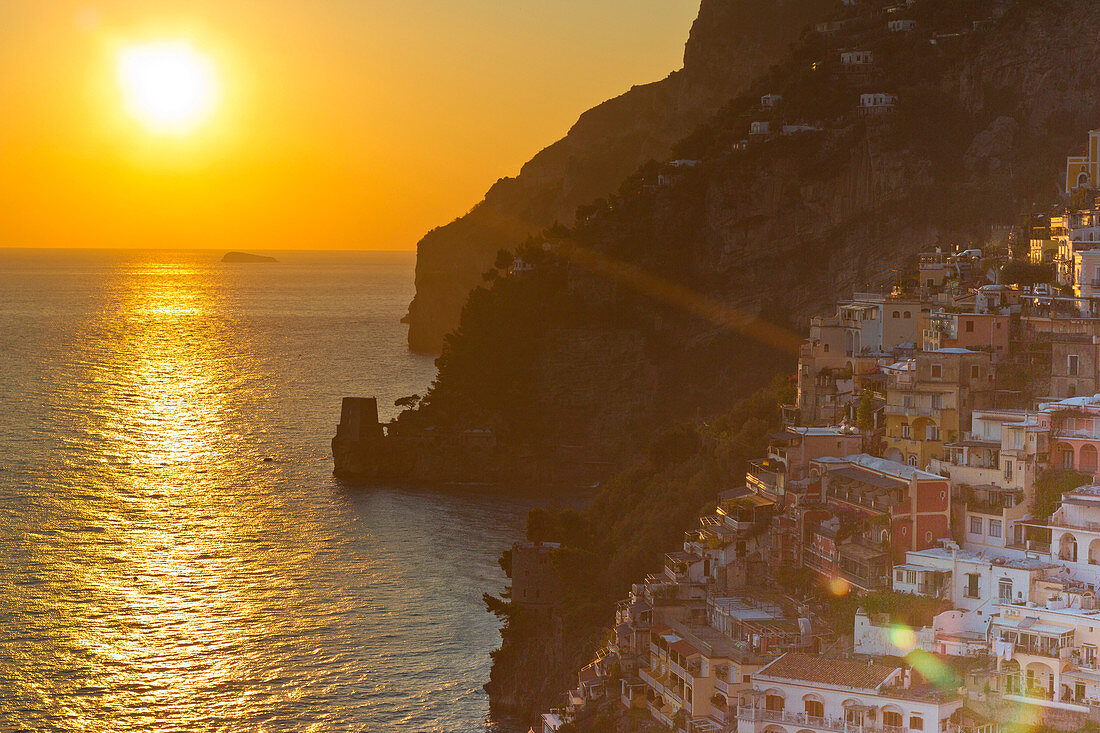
(1071, 365)
(815, 709)
(908, 314)
(907, 400)
(1067, 458)
(1004, 591)
(773, 702)
(911, 461)
(1008, 470)
(897, 314)
(825, 348)
(971, 585)
(891, 719)
(975, 371)
(970, 326)
(911, 577)
(899, 576)
(937, 371)
(927, 536)
(931, 432)
(994, 528)
(916, 722)
(937, 401)
(975, 525)
(905, 430)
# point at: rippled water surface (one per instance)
(158, 571)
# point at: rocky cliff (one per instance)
(717, 266)
(731, 43)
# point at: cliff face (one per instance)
(781, 230)
(731, 43)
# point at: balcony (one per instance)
(933, 412)
(809, 721)
(763, 477)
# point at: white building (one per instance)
(1046, 649)
(799, 692)
(992, 470)
(878, 102)
(1075, 534)
(901, 26)
(857, 59)
(760, 127)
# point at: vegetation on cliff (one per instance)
(616, 540)
(731, 42)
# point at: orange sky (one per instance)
(342, 123)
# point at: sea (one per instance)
(175, 554)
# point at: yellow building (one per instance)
(929, 400)
(1084, 170)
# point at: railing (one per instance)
(869, 582)
(655, 711)
(762, 474)
(913, 411)
(810, 721)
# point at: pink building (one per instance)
(1074, 426)
(974, 331)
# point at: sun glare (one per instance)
(168, 86)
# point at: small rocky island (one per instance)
(246, 257)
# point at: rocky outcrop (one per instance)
(731, 43)
(246, 257)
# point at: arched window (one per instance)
(891, 719)
(911, 460)
(1082, 179)
(897, 314)
(815, 709)
(908, 314)
(773, 702)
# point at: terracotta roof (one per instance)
(845, 672)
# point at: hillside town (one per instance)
(939, 472)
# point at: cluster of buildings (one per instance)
(930, 424)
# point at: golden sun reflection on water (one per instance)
(162, 549)
(160, 573)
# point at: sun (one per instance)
(168, 86)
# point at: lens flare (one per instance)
(839, 587)
(903, 639)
